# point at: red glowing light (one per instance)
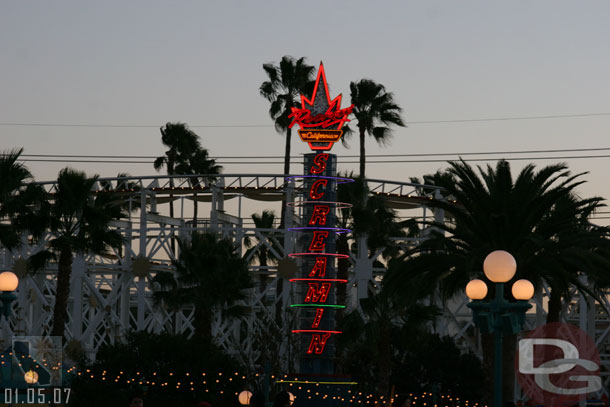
(317, 318)
(340, 256)
(331, 280)
(319, 269)
(319, 215)
(313, 191)
(317, 343)
(316, 330)
(317, 242)
(319, 162)
(317, 292)
(328, 114)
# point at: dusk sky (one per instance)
(149, 62)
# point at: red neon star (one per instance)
(327, 114)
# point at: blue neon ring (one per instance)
(338, 205)
(305, 228)
(340, 180)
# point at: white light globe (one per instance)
(476, 289)
(30, 377)
(244, 397)
(8, 281)
(499, 266)
(523, 290)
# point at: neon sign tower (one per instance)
(320, 119)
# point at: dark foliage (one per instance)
(164, 358)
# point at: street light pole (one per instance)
(8, 283)
(499, 316)
(498, 336)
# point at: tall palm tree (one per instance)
(286, 82)
(373, 335)
(537, 217)
(78, 223)
(182, 144)
(260, 248)
(21, 201)
(370, 216)
(375, 112)
(193, 165)
(210, 275)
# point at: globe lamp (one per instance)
(8, 281)
(30, 377)
(476, 289)
(523, 290)
(499, 266)
(244, 397)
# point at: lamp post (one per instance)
(499, 316)
(8, 283)
(244, 397)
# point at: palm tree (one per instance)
(266, 243)
(537, 217)
(20, 201)
(287, 81)
(198, 163)
(376, 333)
(182, 144)
(375, 111)
(370, 216)
(78, 223)
(210, 275)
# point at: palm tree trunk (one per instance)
(280, 282)
(362, 153)
(385, 360)
(170, 172)
(341, 291)
(262, 259)
(342, 273)
(195, 209)
(287, 152)
(62, 294)
(286, 171)
(554, 310)
(202, 322)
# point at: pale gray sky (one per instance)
(150, 62)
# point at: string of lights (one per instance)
(313, 390)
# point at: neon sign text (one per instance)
(319, 164)
(317, 292)
(317, 242)
(319, 269)
(317, 318)
(319, 215)
(304, 118)
(313, 191)
(318, 342)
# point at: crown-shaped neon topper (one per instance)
(320, 118)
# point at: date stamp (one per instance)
(35, 396)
